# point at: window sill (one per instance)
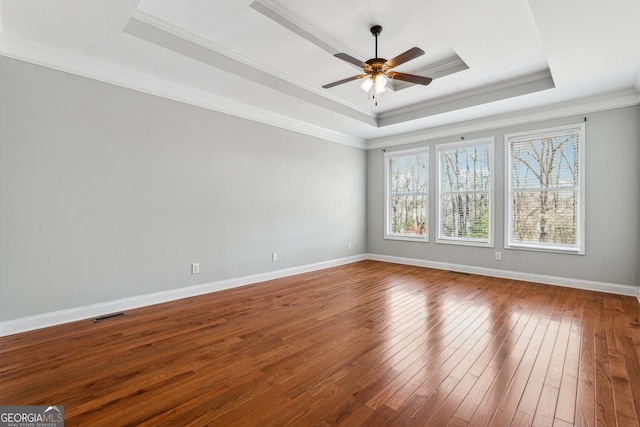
(568, 251)
(407, 238)
(478, 244)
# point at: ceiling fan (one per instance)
(378, 69)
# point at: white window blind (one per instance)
(406, 194)
(546, 190)
(465, 181)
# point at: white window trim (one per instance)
(580, 250)
(457, 241)
(386, 223)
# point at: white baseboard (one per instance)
(589, 285)
(87, 312)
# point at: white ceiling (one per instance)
(268, 59)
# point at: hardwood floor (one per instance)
(370, 343)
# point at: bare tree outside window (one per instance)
(545, 188)
(465, 180)
(406, 175)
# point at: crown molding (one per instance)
(522, 85)
(165, 34)
(299, 26)
(503, 84)
(436, 70)
(591, 104)
(162, 33)
(1, 18)
(39, 53)
(169, 36)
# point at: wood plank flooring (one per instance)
(365, 344)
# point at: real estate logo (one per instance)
(31, 416)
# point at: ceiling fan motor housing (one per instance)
(377, 63)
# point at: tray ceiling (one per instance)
(268, 59)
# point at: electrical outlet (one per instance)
(348, 246)
(195, 268)
(274, 256)
(498, 256)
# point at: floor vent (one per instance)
(109, 316)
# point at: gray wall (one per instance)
(612, 207)
(108, 193)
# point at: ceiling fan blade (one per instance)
(411, 78)
(412, 53)
(351, 59)
(339, 82)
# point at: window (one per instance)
(406, 194)
(546, 189)
(465, 179)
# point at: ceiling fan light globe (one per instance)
(366, 84)
(381, 83)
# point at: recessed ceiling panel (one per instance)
(290, 48)
(272, 57)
